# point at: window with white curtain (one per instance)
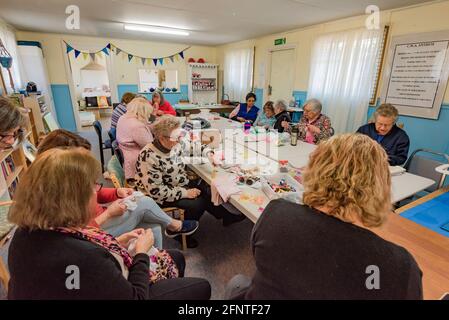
(8, 38)
(238, 73)
(342, 74)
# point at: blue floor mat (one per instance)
(433, 214)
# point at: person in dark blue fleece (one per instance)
(385, 131)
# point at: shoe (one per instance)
(232, 218)
(191, 242)
(188, 227)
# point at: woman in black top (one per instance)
(281, 115)
(325, 248)
(53, 255)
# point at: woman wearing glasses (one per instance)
(11, 124)
(161, 173)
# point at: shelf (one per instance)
(200, 90)
(12, 177)
(5, 154)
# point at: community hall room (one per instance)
(224, 150)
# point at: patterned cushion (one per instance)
(5, 225)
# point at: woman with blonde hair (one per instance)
(134, 132)
(329, 248)
(55, 255)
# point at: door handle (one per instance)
(270, 90)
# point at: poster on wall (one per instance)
(416, 74)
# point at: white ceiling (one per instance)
(211, 22)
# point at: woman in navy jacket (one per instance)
(246, 111)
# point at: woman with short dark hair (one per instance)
(246, 111)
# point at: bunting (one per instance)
(111, 47)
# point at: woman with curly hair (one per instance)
(325, 249)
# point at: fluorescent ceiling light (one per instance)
(155, 29)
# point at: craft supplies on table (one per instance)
(283, 186)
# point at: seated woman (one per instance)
(55, 255)
(246, 111)
(121, 109)
(116, 219)
(281, 115)
(134, 133)
(314, 126)
(161, 173)
(266, 118)
(161, 106)
(347, 190)
(12, 123)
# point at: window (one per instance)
(158, 79)
(238, 73)
(9, 41)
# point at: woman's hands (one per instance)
(124, 192)
(125, 238)
(117, 208)
(313, 129)
(193, 193)
(145, 241)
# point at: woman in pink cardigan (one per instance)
(134, 132)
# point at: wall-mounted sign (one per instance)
(416, 74)
(280, 41)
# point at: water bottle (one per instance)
(294, 136)
(247, 126)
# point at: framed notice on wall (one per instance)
(416, 74)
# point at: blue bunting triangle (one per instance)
(77, 53)
(105, 50)
(155, 62)
(108, 46)
(130, 57)
(182, 54)
(69, 48)
(161, 61)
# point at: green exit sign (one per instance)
(280, 41)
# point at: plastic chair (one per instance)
(103, 145)
(426, 166)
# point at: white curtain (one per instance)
(8, 38)
(238, 73)
(342, 73)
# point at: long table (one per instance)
(430, 249)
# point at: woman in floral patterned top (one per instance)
(314, 126)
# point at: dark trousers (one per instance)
(180, 288)
(194, 208)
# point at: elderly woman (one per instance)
(266, 118)
(246, 111)
(347, 194)
(134, 133)
(12, 123)
(116, 218)
(161, 106)
(314, 126)
(161, 173)
(55, 255)
(384, 130)
(281, 115)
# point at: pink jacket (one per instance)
(132, 136)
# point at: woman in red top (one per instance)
(161, 106)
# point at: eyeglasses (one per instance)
(98, 187)
(15, 135)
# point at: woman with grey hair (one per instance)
(161, 173)
(314, 126)
(281, 115)
(12, 124)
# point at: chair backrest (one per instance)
(119, 154)
(425, 165)
(116, 172)
(112, 133)
(99, 130)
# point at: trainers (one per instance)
(188, 228)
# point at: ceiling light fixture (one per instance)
(155, 29)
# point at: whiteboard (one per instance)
(416, 74)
